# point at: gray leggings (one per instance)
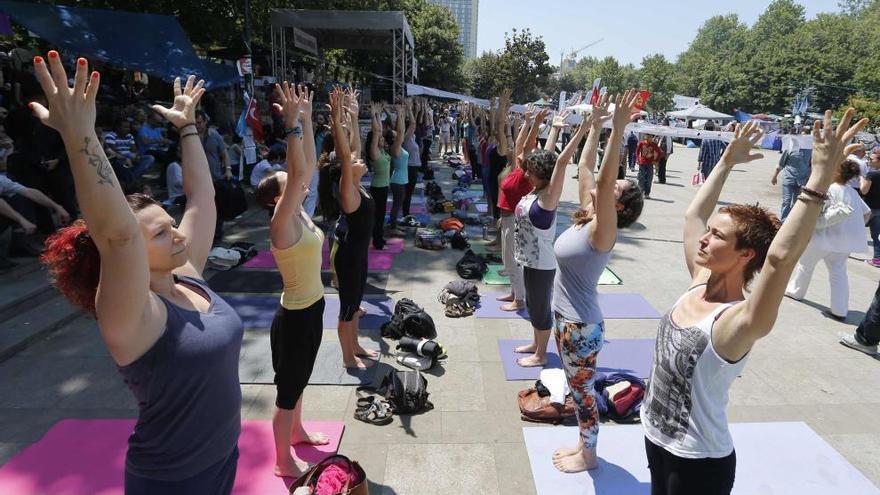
(539, 294)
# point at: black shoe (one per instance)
(828, 314)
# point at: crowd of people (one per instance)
(125, 260)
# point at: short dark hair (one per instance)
(633, 201)
(541, 163)
(267, 190)
(846, 171)
(755, 228)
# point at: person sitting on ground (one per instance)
(582, 252)
(273, 162)
(175, 342)
(151, 137)
(535, 220)
(296, 242)
(127, 162)
(18, 210)
(704, 340)
(840, 231)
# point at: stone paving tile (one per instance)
(512, 467)
(863, 451)
(441, 468)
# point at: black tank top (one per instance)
(356, 227)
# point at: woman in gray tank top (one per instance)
(176, 343)
(703, 340)
(582, 252)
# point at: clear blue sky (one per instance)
(631, 28)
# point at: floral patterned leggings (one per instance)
(579, 345)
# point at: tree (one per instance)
(437, 48)
(769, 69)
(523, 66)
(657, 76)
(481, 75)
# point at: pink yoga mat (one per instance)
(376, 260)
(413, 208)
(87, 457)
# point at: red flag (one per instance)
(594, 97)
(642, 100)
(253, 120)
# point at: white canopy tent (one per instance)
(699, 112)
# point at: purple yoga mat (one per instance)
(613, 306)
(376, 260)
(257, 311)
(393, 245)
(632, 356)
(413, 208)
(481, 207)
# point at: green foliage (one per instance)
(864, 108)
(481, 72)
(523, 65)
(657, 76)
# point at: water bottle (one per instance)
(485, 232)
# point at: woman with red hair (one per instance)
(175, 342)
(703, 341)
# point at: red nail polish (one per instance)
(53, 54)
(31, 105)
(38, 59)
(81, 61)
(95, 74)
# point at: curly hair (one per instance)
(755, 228)
(540, 163)
(73, 260)
(846, 171)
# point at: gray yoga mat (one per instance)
(269, 282)
(255, 363)
(771, 459)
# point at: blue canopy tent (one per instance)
(155, 44)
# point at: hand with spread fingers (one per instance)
(624, 107)
(186, 100)
(289, 104)
(559, 119)
(70, 109)
(745, 138)
(600, 113)
(831, 145)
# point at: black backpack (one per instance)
(407, 391)
(409, 319)
(459, 241)
(471, 266)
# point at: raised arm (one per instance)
(400, 130)
(703, 205)
(352, 107)
(501, 119)
(549, 197)
(603, 231)
(745, 323)
(200, 215)
(376, 128)
(349, 194)
(305, 116)
(286, 229)
(523, 135)
(411, 128)
(123, 290)
(555, 129)
(587, 163)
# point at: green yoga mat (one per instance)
(492, 277)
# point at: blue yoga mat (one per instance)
(613, 306)
(771, 459)
(257, 311)
(632, 356)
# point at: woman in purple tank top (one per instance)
(176, 343)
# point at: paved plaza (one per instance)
(472, 442)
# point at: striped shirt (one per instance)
(124, 145)
(711, 151)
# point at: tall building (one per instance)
(465, 14)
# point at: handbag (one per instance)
(537, 409)
(698, 179)
(310, 478)
(833, 212)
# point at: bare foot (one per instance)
(516, 306)
(526, 348)
(290, 467)
(361, 352)
(507, 298)
(357, 363)
(566, 451)
(531, 361)
(309, 438)
(581, 460)
(503, 273)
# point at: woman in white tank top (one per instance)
(703, 340)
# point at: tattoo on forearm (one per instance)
(101, 165)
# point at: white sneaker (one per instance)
(851, 342)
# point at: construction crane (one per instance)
(572, 57)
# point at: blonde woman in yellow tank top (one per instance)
(296, 242)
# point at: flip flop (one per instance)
(377, 413)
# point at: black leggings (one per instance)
(673, 475)
(380, 196)
(413, 176)
(295, 337)
(539, 296)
